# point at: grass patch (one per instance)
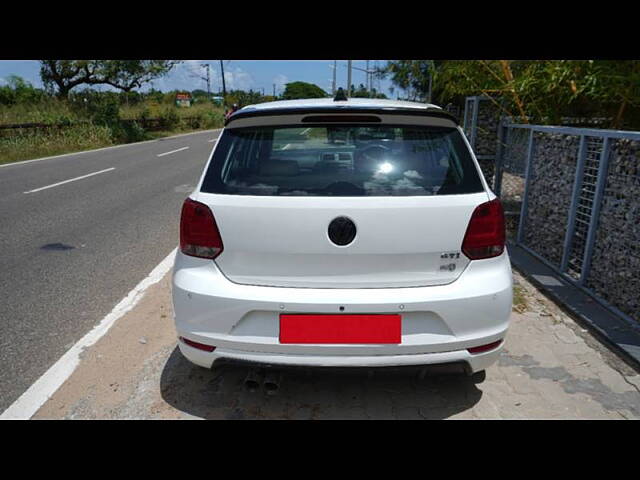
(50, 110)
(46, 144)
(519, 299)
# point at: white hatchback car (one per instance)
(353, 233)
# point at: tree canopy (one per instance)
(296, 90)
(64, 75)
(533, 90)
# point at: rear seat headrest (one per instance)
(274, 168)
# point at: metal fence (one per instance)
(572, 199)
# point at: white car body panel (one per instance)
(277, 259)
(282, 241)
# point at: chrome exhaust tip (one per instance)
(272, 382)
(253, 380)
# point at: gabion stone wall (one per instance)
(487, 128)
(488, 167)
(615, 266)
(514, 153)
(552, 172)
(486, 133)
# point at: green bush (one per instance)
(19, 91)
(196, 121)
(214, 119)
(169, 119)
(133, 132)
(144, 114)
(106, 113)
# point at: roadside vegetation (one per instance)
(88, 119)
(532, 91)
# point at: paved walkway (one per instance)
(551, 369)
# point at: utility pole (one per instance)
(274, 90)
(333, 85)
(224, 88)
(430, 80)
(349, 79)
(368, 78)
(208, 80)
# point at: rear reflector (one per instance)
(199, 346)
(199, 234)
(485, 235)
(485, 348)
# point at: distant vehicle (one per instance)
(217, 100)
(354, 233)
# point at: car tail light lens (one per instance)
(485, 348)
(199, 346)
(485, 235)
(199, 234)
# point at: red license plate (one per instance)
(340, 328)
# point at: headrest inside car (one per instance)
(279, 168)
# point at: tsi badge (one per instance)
(448, 261)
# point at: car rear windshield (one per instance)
(330, 160)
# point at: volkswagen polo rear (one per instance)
(342, 234)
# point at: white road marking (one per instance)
(36, 396)
(304, 132)
(172, 151)
(71, 180)
(14, 164)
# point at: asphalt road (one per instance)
(72, 251)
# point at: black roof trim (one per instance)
(426, 112)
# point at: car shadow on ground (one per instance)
(221, 394)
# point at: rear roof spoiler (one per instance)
(423, 112)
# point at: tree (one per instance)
(67, 74)
(129, 74)
(125, 75)
(296, 90)
(17, 90)
(616, 82)
(410, 75)
(542, 91)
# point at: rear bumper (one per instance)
(473, 363)
(439, 323)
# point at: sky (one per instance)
(239, 74)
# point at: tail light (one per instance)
(199, 234)
(485, 235)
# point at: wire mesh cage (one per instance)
(571, 198)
